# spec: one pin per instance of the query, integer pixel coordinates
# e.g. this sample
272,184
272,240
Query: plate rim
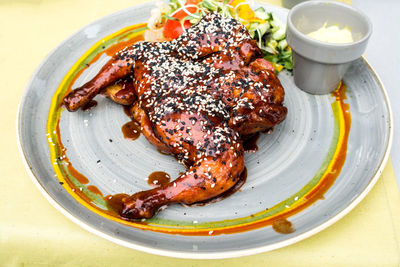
195,254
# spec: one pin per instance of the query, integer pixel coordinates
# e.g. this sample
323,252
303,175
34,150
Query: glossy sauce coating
79,176
250,142
283,226
131,130
114,202
227,193
90,105
121,92
158,178
94,189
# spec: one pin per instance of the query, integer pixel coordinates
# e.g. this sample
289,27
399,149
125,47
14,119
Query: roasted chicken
196,97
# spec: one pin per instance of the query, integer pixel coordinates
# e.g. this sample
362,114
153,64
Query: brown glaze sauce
94,189
250,143
127,111
122,91
73,172
157,179
89,105
114,202
111,51
283,226
131,130
227,193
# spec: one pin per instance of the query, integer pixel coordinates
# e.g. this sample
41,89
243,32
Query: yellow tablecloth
33,233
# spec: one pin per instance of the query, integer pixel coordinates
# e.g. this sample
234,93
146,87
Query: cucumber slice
276,22
272,44
263,28
282,44
279,34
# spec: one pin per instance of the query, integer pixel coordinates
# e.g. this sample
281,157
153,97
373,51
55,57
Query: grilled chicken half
196,97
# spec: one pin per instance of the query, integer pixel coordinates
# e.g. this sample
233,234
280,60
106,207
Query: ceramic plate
311,170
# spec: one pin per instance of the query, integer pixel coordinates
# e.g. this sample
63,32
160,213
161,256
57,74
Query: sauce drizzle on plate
131,130
283,226
158,178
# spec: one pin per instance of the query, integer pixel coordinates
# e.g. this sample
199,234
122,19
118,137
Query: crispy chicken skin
196,97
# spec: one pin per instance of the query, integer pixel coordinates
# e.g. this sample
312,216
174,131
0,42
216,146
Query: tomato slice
173,28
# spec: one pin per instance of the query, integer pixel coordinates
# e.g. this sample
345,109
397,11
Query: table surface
33,233
384,61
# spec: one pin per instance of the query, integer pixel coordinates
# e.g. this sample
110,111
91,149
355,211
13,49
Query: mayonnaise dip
332,34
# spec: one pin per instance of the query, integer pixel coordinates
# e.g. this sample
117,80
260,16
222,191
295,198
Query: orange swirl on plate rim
74,182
